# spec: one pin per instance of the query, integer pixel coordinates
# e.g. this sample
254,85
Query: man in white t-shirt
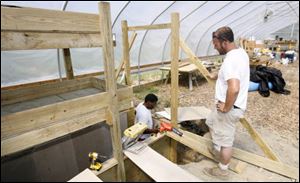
231,99
143,114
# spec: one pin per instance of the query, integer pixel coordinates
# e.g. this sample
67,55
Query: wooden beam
132,38
200,144
24,121
68,63
259,141
43,20
174,78
39,40
149,27
194,60
126,56
235,165
174,67
38,136
111,87
11,96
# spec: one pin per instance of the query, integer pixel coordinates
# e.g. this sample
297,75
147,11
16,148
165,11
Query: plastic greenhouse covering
258,20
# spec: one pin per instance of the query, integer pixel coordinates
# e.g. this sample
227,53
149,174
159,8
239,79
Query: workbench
184,67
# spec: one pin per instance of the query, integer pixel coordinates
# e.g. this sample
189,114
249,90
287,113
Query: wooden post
174,67
111,87
68,63
126,51
174,79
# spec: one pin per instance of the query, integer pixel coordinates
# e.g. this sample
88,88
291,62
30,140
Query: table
184,67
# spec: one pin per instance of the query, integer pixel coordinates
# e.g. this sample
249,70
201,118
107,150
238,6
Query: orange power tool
164,126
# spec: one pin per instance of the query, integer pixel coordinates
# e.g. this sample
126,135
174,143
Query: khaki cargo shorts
222,126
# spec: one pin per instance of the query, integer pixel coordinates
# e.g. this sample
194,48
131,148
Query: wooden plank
43,20
111,87
130,116
132,38
149,27
200,144
235,165
85,176
33,92
20,122
196,61
159,168
174,67
174,78
68,63
37,40
38,136
31,119
126,56
259,141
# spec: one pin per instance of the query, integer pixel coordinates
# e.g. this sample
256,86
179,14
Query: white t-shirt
143,115
235,65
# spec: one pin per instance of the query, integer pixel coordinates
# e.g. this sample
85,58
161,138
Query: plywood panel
159,168
55,161
85,176
34,19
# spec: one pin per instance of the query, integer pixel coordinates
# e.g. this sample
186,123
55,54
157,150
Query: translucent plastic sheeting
137,13
287,32
198,19
28,66
155,40
189,24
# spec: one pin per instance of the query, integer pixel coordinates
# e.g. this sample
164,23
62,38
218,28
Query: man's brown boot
217,172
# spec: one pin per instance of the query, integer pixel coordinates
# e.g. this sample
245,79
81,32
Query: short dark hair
224,34
151,98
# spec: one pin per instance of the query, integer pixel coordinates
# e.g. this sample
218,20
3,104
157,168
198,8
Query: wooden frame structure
49,122
31,28
174,26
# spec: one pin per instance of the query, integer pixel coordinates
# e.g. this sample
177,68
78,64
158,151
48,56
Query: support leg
190,82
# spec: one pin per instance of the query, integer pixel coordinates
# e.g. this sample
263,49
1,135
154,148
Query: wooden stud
126,56
174,79
68,63
174,67
148,27
111,86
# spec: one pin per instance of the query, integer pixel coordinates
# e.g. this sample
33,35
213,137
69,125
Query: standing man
143,114
231,99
